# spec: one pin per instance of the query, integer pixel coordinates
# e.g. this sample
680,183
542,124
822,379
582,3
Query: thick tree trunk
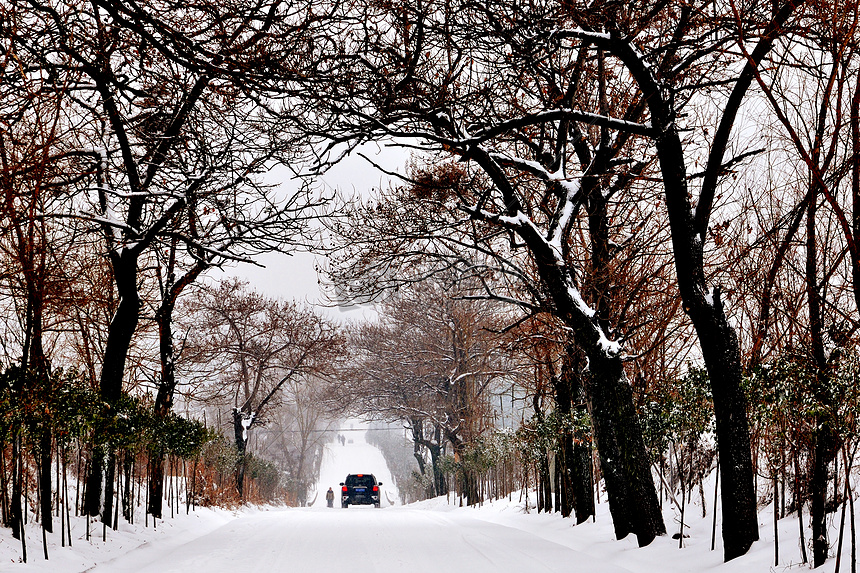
565,458
633,501
824,450
15,506
718,341
616,427
128,487
417,427
120,333
95,473
122,326
582,480
720,349
4,491
825,441
468,484
439,482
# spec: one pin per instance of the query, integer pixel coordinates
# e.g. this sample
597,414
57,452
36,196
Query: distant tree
254,349
296,435
431,361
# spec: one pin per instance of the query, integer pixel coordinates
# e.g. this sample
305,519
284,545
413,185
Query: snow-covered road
359,539
355,456
365,539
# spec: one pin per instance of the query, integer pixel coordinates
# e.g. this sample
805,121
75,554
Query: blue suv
359,489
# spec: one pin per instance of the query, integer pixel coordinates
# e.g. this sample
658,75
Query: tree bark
720,350
435,449
156,483
120,333
633,501
45,490
577,453
128,487
239,437
110,489
822,455
718,341
15,506
565,460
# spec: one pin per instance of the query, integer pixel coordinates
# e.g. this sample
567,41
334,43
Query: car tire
344,505
376,505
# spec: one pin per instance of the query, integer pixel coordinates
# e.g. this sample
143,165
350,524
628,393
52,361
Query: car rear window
362,480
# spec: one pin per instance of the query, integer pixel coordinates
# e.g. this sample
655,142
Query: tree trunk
240,437
439,483
565,458
825,449
720,349
633,497
721,353
717,339
825,440
578,473
45,490
417,427
36,376
155,487
545,482
120,333
93,490
128,487
110,481
167,384
16,507
624,463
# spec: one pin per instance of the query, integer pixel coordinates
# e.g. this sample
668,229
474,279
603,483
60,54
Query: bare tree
297,434
37,151
255,348
173,146
809,91
536,169
654,59
432,361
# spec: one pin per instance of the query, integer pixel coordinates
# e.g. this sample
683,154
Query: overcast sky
294,276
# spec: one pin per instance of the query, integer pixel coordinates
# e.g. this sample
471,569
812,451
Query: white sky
295,276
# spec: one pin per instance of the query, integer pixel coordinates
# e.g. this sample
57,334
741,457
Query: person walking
329,497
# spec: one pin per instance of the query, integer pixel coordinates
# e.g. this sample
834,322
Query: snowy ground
499,537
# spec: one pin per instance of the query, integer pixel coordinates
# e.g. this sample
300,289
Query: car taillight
344,489
375,488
